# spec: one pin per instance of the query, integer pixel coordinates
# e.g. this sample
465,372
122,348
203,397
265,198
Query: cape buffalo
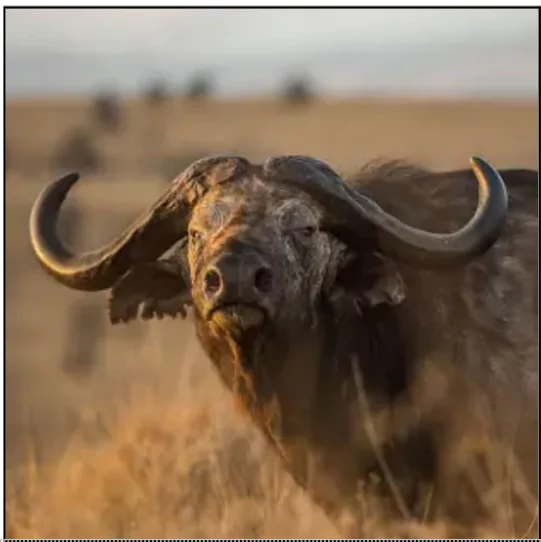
379,353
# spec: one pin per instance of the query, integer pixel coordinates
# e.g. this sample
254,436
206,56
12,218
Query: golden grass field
129,433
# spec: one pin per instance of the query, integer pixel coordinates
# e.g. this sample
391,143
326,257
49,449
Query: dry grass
146,443
169,470
183,467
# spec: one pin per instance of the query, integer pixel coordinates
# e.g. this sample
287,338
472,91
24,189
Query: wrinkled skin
352,363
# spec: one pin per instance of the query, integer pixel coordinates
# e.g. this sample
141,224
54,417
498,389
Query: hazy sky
78,50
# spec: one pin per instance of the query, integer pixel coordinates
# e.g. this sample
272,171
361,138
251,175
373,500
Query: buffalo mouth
238,316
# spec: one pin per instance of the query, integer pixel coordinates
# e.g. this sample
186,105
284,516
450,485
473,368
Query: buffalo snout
243,279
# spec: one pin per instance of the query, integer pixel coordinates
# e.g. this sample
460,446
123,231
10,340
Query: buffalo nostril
212,281
263,280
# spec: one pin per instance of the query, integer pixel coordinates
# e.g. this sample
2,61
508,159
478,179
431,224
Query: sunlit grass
166,468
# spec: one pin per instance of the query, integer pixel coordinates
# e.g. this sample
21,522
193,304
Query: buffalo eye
307,231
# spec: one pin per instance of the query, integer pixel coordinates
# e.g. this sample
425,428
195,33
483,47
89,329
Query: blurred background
423,52
129,98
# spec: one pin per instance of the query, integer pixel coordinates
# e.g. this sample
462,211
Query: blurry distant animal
107,111
156,94
372,350
298,91
78,150
86,324
199,87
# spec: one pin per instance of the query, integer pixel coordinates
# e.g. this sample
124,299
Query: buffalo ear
159,288
373,279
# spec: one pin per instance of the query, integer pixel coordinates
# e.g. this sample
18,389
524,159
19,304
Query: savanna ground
126,431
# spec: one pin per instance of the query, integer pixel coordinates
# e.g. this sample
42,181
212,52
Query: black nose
235,278
263,280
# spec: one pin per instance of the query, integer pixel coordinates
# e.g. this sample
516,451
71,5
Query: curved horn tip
55,191
486,173
69,178
477,163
